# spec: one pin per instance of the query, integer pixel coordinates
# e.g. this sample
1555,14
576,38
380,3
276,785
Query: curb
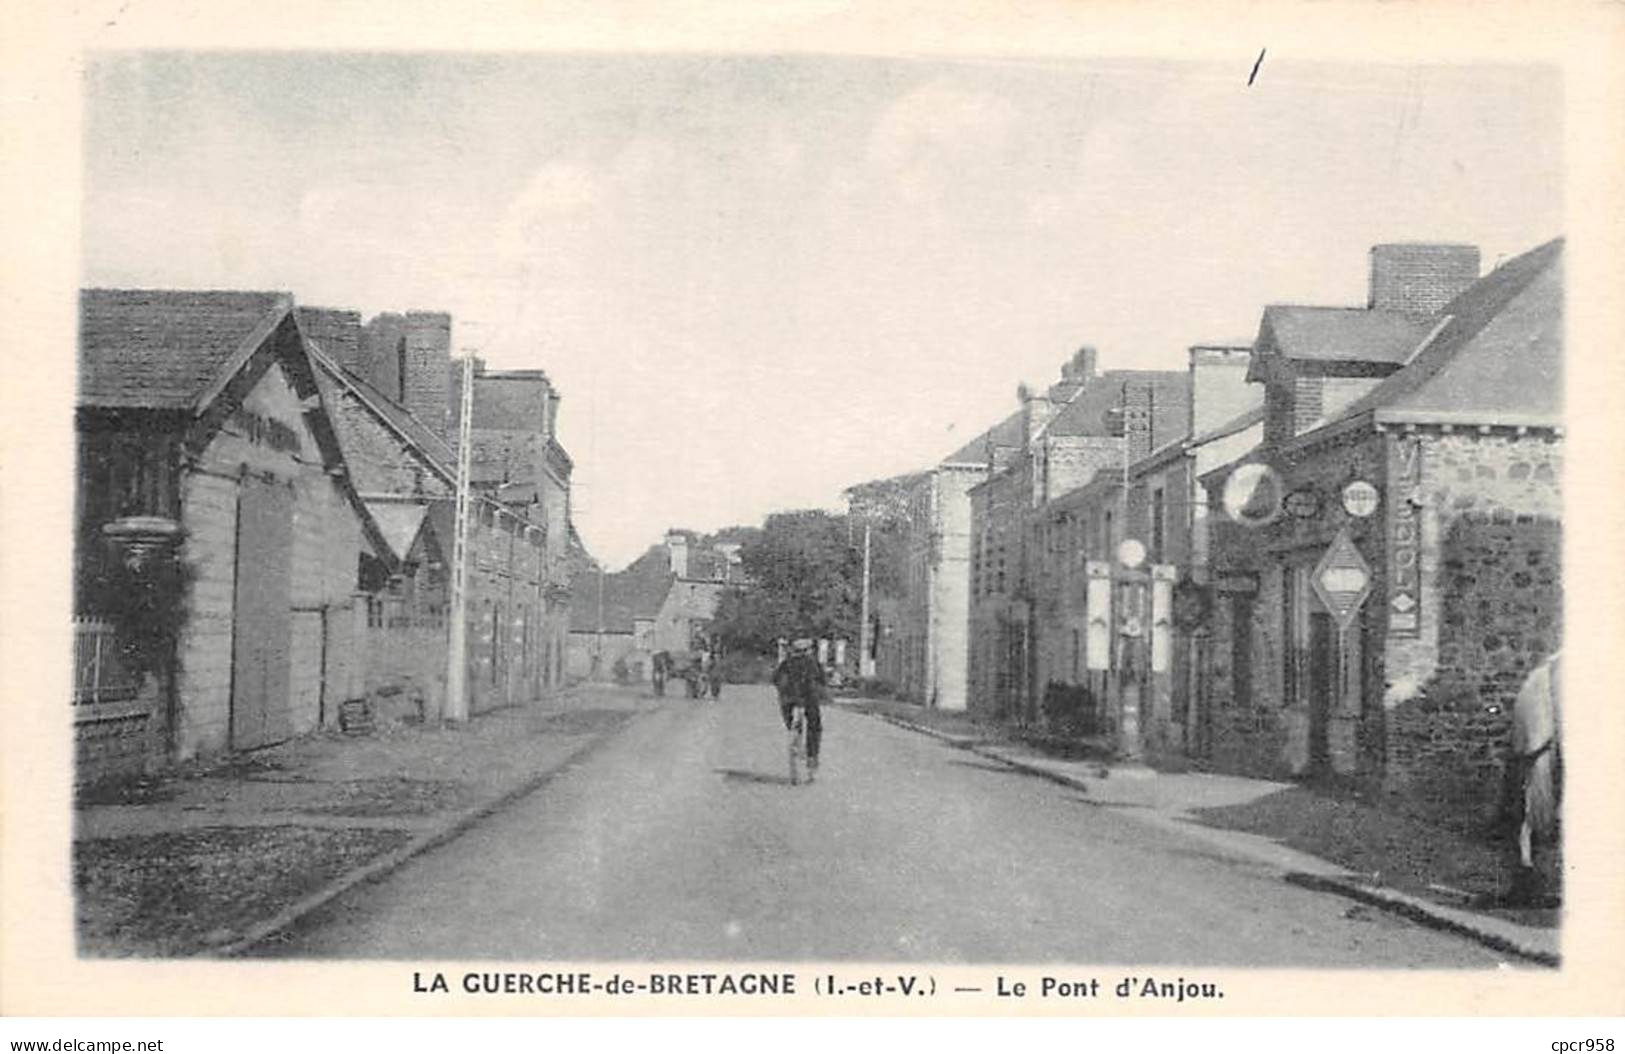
1425,913
381,866
1417,910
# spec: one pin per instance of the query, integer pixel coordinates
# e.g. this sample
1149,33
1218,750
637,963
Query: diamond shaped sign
1342,579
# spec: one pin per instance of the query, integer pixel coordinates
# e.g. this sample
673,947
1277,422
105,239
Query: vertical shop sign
1404,534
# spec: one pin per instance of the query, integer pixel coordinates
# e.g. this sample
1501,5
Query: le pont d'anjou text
1173,990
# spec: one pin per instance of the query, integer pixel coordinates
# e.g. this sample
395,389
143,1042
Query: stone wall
1492,608
326,540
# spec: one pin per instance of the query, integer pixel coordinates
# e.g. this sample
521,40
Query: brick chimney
1420,279
424,360
1036,411
382,343
677,550
336,332
1076,373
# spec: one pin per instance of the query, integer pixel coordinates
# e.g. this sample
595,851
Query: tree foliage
805,571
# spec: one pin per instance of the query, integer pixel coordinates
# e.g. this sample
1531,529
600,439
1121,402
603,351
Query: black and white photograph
1076,524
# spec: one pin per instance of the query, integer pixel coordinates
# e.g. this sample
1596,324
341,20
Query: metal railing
99,672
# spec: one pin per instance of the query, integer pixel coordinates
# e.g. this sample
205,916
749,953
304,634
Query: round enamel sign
1253,495
1360,498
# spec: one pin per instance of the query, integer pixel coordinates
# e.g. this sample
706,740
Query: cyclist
801,682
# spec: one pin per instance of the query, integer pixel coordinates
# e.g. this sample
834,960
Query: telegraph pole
457,648
866,662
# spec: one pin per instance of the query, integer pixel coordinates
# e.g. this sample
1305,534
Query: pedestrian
1537,769
659,666
801,681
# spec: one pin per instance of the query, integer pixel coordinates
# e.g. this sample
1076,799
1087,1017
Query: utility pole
866,661
457,648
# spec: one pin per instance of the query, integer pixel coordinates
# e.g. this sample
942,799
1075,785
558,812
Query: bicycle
798,745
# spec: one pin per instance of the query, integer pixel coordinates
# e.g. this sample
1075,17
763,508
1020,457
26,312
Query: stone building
404,466
203,434
662,601
1165,509
1443,472
1078,427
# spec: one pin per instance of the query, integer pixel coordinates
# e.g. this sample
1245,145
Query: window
1295,593
1158,522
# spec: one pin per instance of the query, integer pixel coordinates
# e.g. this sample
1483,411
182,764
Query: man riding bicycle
801,682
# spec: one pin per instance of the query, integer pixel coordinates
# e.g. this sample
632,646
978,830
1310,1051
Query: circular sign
1252,495
1132,626
1360,498
1131,552
1303,504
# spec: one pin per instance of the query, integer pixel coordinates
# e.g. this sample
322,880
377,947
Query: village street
682,839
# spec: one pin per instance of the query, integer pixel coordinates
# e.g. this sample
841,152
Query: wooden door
261,630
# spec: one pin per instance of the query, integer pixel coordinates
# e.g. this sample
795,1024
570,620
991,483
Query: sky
758,280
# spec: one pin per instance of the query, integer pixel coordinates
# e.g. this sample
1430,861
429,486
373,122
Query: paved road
682,839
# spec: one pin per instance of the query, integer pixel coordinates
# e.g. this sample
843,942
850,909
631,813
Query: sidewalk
1311,838
212,859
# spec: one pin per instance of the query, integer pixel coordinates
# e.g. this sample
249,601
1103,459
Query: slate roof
434,449
1085,415
1006,433
627,595
1497,359
1336,334
161,348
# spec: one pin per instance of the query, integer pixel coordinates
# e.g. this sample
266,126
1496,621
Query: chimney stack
1036,411
337,332
677,550
1420,279
426,368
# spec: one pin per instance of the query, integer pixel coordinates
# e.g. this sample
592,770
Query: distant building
663,601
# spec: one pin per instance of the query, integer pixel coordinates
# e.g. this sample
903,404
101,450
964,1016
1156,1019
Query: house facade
404,467
203,411
1082,426
243,482
1444,476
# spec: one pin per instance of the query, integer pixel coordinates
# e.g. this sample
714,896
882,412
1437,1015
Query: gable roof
1006,433
627,596
163,348
1335,334
184,350
399,523
1496,359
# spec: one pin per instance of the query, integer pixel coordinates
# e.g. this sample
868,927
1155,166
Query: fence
99,672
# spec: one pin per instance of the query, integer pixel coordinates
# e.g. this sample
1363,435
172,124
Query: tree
805,581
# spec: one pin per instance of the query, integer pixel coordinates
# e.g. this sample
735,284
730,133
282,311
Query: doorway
261,635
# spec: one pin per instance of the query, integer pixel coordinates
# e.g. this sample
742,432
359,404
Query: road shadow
988,766
742,776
